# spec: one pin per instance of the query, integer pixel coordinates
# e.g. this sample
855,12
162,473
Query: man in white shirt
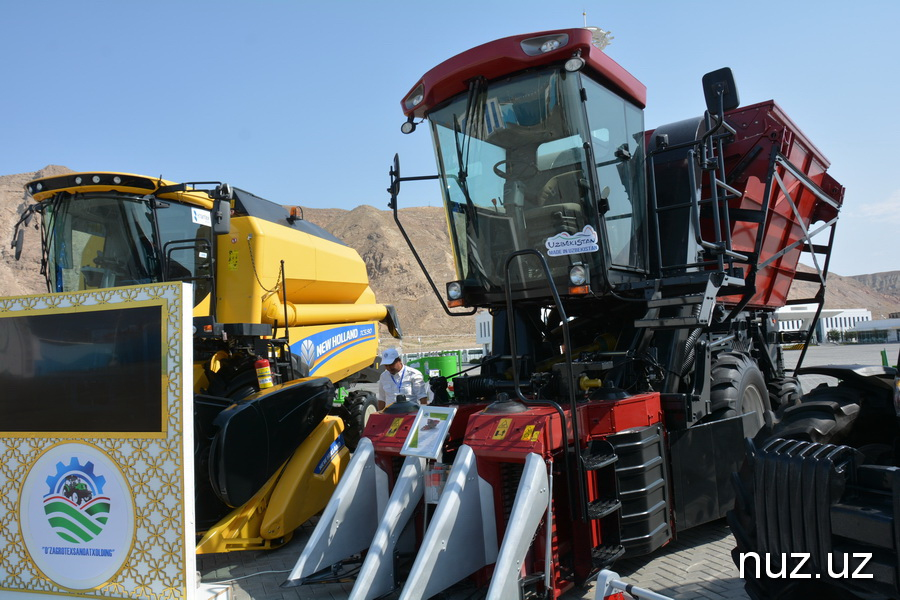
398,378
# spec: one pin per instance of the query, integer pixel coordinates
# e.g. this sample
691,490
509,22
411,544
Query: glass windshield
618,145
101,241
507,187
515,156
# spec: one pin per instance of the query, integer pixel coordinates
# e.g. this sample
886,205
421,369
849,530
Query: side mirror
720,91
221,224
395,175
394,190
19,242
222,209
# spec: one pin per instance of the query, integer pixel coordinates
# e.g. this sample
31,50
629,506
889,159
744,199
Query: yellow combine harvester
283,317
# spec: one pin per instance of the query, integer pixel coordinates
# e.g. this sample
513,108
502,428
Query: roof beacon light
549,45
544,44
415,97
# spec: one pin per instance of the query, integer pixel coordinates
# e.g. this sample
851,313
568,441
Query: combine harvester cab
283,314
633,279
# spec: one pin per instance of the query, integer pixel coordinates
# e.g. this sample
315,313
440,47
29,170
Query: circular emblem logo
77,516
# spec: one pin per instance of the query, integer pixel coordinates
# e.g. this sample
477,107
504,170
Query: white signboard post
96,475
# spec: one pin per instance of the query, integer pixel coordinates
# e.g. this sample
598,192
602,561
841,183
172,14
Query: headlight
574,64
454,290
577,275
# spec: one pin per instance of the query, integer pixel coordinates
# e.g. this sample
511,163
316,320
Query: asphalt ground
697,565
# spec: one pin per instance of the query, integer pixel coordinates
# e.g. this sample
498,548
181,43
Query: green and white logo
77,516
75,505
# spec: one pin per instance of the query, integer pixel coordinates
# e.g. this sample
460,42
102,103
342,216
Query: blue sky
299,101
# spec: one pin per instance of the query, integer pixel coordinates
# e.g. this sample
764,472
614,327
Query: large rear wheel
825,415
786,391
738,388
799,445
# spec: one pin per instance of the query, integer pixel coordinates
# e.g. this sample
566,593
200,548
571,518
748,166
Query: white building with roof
880,331
798,317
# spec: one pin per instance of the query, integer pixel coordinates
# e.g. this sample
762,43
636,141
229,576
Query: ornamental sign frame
98,512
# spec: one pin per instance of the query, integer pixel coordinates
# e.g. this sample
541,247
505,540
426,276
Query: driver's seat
564,189
547,221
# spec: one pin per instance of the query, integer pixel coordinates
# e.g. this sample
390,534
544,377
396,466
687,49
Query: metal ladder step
595,462
676,301
606,555
603,507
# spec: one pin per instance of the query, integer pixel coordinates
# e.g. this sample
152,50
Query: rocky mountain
887,283
854,292
394,274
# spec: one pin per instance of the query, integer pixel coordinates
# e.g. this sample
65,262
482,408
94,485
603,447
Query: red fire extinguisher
263,373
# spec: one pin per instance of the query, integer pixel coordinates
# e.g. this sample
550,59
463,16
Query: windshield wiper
622,154
461,176
472,119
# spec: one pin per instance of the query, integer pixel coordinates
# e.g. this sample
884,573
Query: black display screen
88,371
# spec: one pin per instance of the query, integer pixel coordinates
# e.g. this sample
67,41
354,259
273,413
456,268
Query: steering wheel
525,170
112,264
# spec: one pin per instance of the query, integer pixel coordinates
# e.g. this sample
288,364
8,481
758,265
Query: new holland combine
633,277
283,316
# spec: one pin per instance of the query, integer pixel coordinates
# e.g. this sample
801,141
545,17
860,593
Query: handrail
582,504
394,190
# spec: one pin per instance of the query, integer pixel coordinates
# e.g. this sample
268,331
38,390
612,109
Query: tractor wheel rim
370,410
753,403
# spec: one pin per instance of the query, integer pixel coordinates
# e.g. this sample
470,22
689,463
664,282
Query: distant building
845,320
484,330
878,332
798,317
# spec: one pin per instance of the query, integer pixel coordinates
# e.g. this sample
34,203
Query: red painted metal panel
760,129
512,436
388,432
601,418
505,56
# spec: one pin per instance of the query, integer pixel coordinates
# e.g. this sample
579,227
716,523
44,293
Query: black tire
742,522
786,391
358,407
825,415
738,387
